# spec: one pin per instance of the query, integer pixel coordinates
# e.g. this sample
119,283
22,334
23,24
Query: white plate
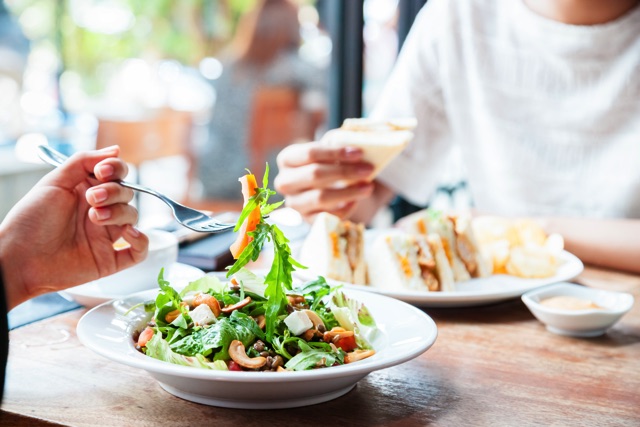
474,292
406,332
91,295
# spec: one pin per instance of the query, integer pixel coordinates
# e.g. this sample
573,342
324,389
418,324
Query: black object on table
210,253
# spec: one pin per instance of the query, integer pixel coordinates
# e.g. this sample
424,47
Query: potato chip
519,247
531,262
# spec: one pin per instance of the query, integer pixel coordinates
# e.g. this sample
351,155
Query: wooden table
494,365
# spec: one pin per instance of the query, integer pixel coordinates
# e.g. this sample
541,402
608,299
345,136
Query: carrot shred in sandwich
249,186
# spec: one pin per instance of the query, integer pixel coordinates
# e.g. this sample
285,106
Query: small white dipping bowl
163,252
579,323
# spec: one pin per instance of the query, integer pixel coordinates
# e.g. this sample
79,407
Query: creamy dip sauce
569,303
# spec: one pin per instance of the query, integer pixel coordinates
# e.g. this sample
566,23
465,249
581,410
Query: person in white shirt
543,99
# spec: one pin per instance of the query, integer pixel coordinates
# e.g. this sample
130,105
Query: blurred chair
277,120
163,134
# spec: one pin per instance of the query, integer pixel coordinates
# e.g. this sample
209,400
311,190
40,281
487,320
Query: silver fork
188,217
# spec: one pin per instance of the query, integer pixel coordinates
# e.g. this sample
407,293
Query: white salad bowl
163,252
405,332
580,323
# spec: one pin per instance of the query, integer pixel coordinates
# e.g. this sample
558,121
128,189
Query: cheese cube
202,315
298,322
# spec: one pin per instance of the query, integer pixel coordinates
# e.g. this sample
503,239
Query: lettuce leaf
159,349
251,282
353,316
204,284
313,355
217,337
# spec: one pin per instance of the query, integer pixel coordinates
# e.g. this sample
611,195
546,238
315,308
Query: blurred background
193,91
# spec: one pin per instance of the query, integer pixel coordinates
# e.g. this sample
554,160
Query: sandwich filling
335,249
416,262
427,264
347,239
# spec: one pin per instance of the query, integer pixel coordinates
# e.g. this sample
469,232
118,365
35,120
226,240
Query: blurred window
94,63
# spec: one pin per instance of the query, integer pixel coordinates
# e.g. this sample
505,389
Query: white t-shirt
546,115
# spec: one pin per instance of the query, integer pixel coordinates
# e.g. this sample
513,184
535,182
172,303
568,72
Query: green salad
254,323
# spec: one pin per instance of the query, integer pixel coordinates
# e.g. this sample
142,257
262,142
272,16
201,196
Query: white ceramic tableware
474,292
91,295
163,252
405,333
580,323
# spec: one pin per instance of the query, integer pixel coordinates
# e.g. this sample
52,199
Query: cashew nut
172,315
228,309
261,321
356,355
238,354
315,319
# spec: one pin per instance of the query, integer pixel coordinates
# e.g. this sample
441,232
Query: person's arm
4,333
61,233
610,243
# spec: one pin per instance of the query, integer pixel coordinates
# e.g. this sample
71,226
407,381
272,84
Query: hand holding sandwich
336,174
309,175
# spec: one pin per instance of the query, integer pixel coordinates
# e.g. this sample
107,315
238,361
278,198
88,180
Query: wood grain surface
490,366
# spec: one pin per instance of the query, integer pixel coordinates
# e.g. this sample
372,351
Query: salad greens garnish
253,322
280,276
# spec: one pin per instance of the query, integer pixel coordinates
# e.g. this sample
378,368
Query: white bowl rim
625,299
136,359
167,239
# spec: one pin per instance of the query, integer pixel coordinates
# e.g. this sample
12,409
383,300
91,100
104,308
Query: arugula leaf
167,290
279,277
168,300
315,290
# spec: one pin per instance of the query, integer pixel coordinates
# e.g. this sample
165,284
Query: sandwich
380,140
335,249
415,262
468,248
458,240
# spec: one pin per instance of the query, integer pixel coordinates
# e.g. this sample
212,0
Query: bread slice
381,141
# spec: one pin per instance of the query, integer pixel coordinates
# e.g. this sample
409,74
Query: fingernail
97,195
109,148
364,187
105,171
103,214
133,232
364,170
352,153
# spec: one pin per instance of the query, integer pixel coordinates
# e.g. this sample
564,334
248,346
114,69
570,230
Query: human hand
315,178
61,233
